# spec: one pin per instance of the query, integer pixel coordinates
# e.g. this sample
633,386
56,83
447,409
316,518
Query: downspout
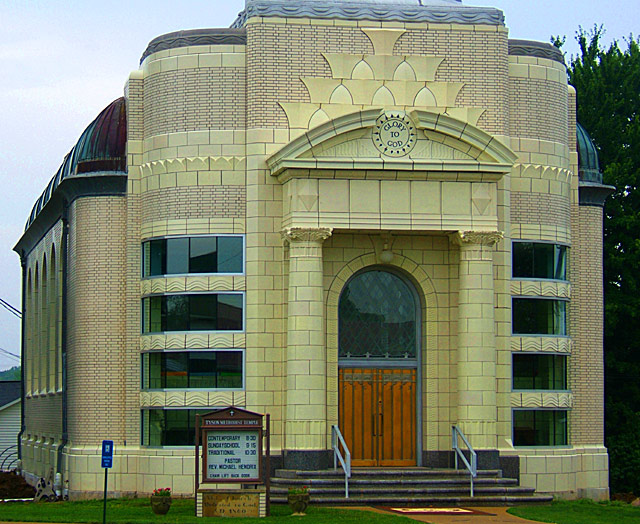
63,341
23,334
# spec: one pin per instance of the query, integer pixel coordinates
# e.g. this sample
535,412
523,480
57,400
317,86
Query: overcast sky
62,62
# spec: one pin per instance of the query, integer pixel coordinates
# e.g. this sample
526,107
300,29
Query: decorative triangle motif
481,198
308,201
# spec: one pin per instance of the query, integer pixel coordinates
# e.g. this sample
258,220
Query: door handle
373,425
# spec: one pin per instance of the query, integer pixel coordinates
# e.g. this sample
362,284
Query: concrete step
404,501
405,491
383,473
405,487
395,482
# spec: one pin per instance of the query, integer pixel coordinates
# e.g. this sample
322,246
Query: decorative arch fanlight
378,317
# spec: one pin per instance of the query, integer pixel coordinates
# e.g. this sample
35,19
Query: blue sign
107,453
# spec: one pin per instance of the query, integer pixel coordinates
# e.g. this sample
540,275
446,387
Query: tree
607,82
10,374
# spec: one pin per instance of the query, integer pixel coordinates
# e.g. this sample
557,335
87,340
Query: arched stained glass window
378,317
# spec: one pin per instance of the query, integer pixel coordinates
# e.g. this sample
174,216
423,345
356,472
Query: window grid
541,316
202,369
193,312
170,427
539,260
540,427
201,254
539,372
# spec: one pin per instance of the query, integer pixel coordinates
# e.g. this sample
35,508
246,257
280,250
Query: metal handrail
345,462
473,467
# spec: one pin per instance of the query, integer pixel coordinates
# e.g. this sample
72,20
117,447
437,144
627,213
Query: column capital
306,234
476,238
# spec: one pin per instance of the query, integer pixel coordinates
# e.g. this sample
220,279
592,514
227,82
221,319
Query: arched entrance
378,368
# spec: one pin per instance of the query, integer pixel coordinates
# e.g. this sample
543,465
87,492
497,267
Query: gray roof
9,392
445,11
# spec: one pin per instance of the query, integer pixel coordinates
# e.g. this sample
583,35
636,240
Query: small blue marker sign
107,453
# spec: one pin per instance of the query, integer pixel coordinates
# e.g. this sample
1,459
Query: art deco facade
362,215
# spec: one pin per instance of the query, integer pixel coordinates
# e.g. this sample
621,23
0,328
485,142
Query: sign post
107,462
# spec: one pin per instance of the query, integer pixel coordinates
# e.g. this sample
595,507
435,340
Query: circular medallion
394,134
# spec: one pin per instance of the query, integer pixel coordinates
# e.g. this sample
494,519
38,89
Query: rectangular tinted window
203,256
203,372
175,312
193,255
522,259
192,370
539,427
155,257
230,255
175,370
154,313
230,312
536,316
543,372
229,369
170,427
543,261
152,371
560,265
539,260
203,312
177,256
152,424
176,430
197,312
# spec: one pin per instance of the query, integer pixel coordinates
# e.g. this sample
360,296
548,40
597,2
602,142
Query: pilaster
306,394
477,405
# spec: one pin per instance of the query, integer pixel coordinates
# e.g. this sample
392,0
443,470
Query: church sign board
231,441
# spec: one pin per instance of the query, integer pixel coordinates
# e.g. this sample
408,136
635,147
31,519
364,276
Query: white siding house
9,421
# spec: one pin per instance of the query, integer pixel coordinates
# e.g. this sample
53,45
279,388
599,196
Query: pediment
438,143
359,144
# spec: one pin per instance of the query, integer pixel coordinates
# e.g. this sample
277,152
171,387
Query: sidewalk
493,515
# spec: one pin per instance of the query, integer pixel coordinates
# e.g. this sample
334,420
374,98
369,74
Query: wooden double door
377,415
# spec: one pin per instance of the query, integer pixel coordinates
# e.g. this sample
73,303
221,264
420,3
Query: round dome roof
588,164
100,148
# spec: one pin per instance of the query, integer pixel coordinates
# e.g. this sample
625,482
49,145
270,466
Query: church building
379,215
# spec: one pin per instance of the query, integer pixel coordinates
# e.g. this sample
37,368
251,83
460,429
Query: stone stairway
408,487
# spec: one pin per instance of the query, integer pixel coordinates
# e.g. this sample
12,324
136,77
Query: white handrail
345,462
473,467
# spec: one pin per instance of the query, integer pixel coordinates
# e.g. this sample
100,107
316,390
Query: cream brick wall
203,89
134,92
43,354
191,204
468,50
537,99
96,320
545,209
586,372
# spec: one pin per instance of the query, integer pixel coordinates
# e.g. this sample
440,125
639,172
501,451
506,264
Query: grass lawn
138,511
581,512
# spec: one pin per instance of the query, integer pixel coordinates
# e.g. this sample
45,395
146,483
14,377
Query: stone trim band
354,10
195,37
535,49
